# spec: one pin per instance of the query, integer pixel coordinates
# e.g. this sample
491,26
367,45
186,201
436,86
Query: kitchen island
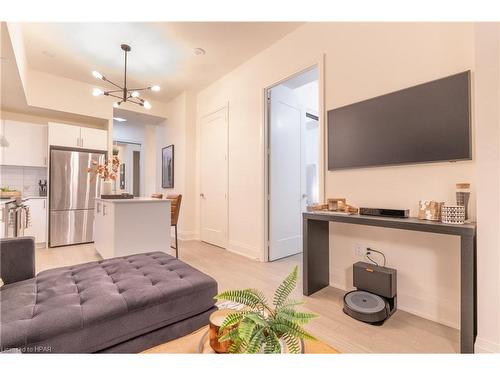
131,226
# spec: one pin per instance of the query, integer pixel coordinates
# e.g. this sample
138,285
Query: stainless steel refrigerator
72,194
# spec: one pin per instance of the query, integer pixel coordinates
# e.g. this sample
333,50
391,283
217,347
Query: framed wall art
167,167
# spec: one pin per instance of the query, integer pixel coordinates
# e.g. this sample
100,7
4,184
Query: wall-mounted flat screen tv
425,123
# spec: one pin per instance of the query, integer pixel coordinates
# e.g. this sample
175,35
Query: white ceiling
136,118
162,53
12,98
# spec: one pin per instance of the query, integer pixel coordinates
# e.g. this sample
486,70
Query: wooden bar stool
175,208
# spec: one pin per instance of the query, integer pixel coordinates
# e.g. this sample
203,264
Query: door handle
103,210
202,195
304,195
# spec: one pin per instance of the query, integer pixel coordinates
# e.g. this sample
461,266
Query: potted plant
108,172
264,328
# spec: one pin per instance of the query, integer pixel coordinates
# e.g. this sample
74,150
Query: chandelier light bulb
121,92
97,92
97,75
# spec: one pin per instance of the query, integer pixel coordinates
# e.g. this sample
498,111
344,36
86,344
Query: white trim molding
486,346
188,235
244,250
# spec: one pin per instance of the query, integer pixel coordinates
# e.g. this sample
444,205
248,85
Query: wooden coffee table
189,344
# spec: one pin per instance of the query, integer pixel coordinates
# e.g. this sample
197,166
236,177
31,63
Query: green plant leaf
231,334
247,297
257,319
285,288
256,341
292,343
232,319
291,328
245,329
291,303
295,316
272,344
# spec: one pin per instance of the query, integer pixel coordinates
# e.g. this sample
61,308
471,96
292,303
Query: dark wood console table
316,273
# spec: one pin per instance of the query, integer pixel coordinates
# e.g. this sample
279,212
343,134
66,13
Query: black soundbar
386,212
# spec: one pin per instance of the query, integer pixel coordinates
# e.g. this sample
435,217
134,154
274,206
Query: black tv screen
425,123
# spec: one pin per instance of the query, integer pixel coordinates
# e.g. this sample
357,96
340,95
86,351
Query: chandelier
124,94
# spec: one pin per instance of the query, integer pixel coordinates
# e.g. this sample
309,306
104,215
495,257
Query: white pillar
486,99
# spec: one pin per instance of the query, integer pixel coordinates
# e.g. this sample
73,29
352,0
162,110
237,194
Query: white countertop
134,200
9,200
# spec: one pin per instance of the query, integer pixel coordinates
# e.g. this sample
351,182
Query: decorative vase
107,188
463,195
453,214
430,210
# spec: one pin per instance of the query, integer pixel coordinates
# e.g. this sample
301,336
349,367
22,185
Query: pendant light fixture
124,94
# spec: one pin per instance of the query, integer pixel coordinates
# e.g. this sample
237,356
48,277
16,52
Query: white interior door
213,178
285,197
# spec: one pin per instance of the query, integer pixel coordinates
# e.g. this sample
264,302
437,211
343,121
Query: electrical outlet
359,250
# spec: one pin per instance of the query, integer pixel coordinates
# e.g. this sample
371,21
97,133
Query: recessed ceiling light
199,51
119,119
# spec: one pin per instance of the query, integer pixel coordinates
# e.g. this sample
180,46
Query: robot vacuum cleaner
374,301
366,306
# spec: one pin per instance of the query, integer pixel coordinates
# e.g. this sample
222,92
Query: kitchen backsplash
24,179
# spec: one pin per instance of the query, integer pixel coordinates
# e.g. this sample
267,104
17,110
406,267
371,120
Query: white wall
180,130
487,106
23,179
360,61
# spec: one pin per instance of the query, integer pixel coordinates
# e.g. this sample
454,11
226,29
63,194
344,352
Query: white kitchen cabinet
131,226
38,212
23,144
77,137
93,139
64,135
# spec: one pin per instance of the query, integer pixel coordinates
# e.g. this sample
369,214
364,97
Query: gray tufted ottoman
115,305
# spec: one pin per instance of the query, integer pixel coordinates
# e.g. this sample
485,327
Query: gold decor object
350,209
317,207
215,321
430,210
336,204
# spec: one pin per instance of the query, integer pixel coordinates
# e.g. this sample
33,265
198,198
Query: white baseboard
486,346
244,250
188,235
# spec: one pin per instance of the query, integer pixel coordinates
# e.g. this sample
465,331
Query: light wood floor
402,333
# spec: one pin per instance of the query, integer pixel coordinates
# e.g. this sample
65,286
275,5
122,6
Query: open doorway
293,159
129,179
134,142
